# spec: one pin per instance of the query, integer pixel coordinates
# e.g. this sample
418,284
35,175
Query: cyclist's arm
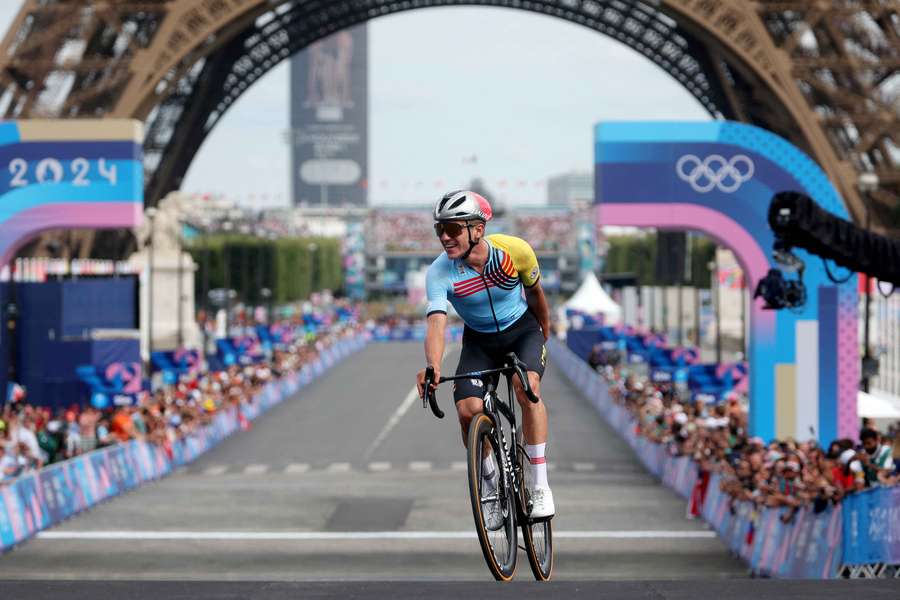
537,304
436,289
434,339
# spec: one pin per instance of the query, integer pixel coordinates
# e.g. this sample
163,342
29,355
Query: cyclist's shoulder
440,266
511,244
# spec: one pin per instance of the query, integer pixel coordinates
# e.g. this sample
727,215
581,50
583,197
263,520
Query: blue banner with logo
872,527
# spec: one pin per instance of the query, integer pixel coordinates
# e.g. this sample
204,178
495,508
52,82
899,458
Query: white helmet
462,205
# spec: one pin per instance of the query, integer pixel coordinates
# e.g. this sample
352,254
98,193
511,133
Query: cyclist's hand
420,380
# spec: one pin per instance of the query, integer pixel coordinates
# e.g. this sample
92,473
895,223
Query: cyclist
484,277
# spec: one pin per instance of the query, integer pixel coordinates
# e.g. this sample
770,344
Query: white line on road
216,470
380,466
459,465
581,466
296,468
352,535
339,467
256,469
411,397
420,465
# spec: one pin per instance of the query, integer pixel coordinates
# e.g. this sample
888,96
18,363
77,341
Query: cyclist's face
454,237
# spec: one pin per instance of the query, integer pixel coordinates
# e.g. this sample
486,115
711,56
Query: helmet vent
459,201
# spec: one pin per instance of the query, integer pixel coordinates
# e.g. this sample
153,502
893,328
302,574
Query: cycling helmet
462,205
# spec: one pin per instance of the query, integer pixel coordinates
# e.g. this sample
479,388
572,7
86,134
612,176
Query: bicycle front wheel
498,544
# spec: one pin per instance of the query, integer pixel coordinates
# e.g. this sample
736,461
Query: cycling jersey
490,301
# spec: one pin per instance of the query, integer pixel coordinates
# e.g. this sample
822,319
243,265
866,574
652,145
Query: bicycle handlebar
514,364
430,396
517,364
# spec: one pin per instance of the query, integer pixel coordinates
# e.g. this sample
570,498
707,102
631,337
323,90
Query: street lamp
312,247
151,213
714,280
867,183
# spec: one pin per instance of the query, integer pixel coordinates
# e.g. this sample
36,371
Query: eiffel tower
824,74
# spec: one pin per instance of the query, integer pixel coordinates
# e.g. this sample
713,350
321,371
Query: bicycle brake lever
430,395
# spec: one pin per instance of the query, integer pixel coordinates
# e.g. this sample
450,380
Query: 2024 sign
51,170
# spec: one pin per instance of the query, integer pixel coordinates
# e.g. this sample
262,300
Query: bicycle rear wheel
499,547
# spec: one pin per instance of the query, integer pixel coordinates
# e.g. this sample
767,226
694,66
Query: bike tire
537,536
538,541
500,548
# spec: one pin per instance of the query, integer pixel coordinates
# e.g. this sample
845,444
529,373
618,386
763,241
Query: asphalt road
352,480
351,489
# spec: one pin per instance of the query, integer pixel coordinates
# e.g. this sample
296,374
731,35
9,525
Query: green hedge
291,268
637,254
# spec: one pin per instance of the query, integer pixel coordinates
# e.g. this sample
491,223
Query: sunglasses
451,229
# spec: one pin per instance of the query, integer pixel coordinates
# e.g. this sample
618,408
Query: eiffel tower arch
825,74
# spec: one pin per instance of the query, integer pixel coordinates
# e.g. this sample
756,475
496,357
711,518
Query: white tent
877,407
593,300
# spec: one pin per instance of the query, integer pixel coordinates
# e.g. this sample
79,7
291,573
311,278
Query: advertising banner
872,527
329,121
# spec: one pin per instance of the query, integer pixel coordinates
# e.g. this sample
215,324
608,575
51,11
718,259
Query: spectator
9,465
783,473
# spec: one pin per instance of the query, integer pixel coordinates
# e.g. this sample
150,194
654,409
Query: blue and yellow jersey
480,297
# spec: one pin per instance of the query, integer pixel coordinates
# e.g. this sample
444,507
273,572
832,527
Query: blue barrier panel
42,499
872,527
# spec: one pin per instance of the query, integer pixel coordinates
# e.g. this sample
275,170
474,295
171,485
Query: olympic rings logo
715,172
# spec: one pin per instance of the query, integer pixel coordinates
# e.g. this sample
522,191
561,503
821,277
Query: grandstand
400,240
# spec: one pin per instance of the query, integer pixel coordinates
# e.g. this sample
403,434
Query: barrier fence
41,499
860,537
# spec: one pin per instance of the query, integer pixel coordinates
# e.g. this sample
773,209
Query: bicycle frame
495,407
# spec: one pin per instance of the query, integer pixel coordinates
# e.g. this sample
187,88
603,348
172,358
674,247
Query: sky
518,90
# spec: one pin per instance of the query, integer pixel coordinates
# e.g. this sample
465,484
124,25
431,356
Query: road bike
495,431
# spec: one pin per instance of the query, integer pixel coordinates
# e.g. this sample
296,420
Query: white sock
488,474
488,466
537,465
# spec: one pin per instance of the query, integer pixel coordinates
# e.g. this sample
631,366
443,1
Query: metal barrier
860,537
38,500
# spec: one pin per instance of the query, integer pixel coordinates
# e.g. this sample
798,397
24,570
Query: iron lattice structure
821,73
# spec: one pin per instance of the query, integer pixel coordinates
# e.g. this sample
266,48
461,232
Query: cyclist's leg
469,393
529,347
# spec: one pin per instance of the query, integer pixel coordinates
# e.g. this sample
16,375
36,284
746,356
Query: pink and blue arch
804,365
62,174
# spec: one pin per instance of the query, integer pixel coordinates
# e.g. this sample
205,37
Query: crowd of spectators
34,436
402,231
412,231
781,473
547,233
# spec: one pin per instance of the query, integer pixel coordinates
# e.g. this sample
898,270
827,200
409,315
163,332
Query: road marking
380,466
340,467
411,397
352,535
296,468
420,465
459,465
216,470
256,469
582,466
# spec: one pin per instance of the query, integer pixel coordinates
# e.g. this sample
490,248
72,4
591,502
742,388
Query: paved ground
625,590
340,483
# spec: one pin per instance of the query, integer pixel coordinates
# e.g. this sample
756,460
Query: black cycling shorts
482,351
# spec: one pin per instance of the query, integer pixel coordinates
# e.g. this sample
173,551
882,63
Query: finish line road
350,480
